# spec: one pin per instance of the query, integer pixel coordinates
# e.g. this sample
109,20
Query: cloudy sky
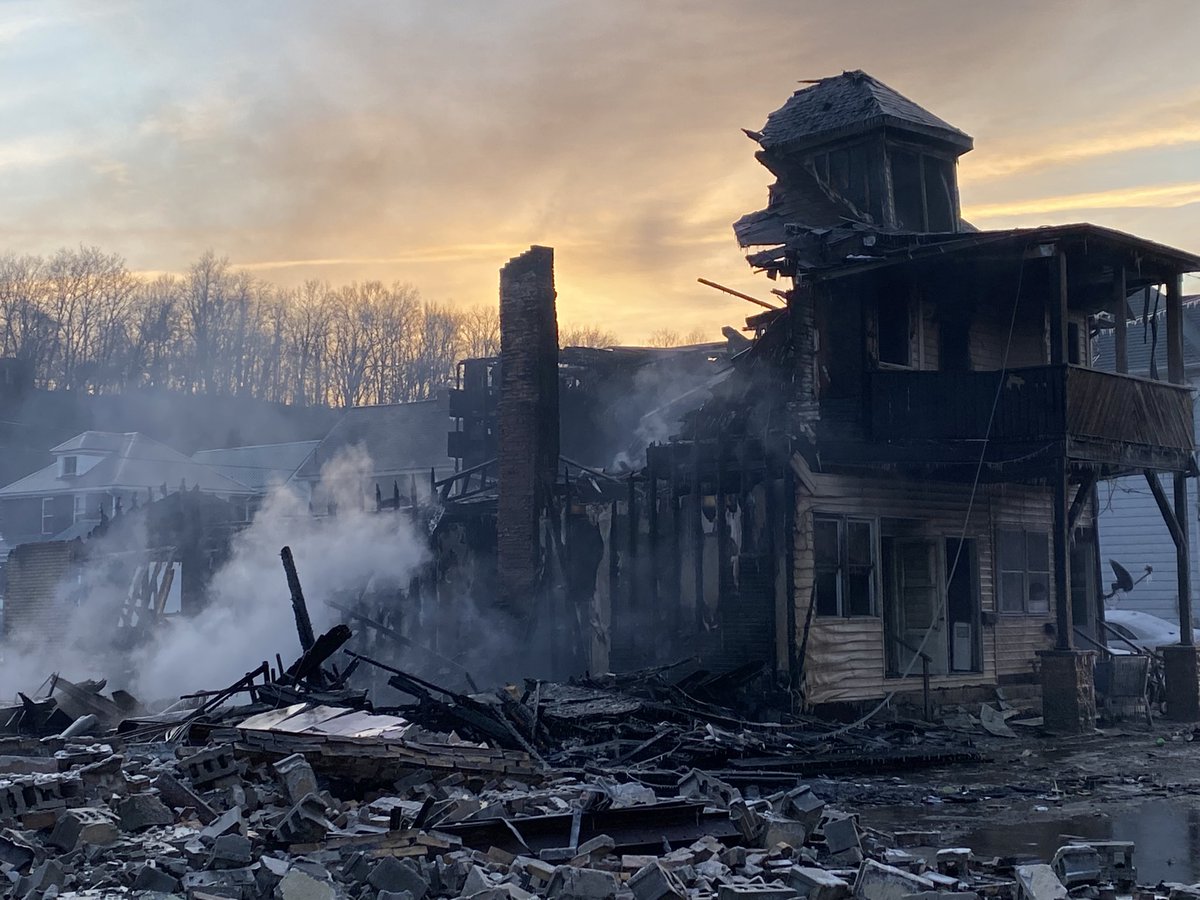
429,141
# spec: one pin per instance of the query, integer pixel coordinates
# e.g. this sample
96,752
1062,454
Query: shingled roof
847,103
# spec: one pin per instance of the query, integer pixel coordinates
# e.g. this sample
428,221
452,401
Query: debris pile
320,802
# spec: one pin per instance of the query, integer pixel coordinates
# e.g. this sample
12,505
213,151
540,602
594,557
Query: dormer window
67,466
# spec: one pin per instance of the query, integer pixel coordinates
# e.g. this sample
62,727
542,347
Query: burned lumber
304,626
308,666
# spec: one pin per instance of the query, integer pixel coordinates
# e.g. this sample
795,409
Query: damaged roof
258,466
847,103
398,437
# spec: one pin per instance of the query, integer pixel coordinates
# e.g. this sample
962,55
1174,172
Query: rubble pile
315,801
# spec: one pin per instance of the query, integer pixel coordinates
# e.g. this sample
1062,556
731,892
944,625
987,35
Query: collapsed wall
528,420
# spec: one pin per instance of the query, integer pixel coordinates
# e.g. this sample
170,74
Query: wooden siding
845,658
989,335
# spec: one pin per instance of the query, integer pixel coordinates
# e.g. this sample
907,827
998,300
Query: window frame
1004,568
845,567
47,514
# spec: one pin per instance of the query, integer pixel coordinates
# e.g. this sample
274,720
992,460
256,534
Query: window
1023,560
69,465
844,553
47,515
894,327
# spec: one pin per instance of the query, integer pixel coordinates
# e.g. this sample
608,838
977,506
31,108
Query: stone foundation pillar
1182,673
1069,691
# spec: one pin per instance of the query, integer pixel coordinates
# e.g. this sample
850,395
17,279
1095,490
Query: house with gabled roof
93,476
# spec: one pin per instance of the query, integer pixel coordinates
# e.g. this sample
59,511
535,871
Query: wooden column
1120,316
1057,301
1183,565
1062,559
1175,329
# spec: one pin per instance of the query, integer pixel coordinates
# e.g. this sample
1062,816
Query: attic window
69,465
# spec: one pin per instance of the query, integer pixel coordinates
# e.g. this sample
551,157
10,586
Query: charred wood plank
304,626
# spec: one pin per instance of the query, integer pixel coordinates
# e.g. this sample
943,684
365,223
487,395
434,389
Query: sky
428,142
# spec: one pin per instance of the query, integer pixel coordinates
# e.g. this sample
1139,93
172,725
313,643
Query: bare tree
586,336
481,332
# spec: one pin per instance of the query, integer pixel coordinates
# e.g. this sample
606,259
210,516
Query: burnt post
303,623
528,421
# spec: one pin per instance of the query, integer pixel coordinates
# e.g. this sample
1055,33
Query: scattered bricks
734,857
230,851
748,822
596,848
1039,882
653,882
394,895
305,823
879,882
297,777
298,885
909,839
954,861
755,892
84,824
28,765
398,875
943,895
697,785
818,884
178,795
141,811
152,878
213,768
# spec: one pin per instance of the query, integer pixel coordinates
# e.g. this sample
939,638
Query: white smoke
249,615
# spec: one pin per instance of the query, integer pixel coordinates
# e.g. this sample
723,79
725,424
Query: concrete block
954,861
87,825
141,811
784,830
230,851
841,833
571,883
298,885
756,892
653,882
305,823
152,878
392,874
297,777
818,884
876,881
1039,882
804,806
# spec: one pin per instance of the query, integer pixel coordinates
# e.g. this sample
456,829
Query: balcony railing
1034,404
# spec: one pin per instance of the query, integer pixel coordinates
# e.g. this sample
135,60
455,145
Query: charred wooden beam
1164,507
1183,568
308,666
1081,498
1062,558
1120,317
304,626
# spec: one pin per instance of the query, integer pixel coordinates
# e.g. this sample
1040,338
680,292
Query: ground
1123,784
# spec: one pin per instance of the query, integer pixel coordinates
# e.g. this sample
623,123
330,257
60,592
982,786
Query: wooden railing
1031,404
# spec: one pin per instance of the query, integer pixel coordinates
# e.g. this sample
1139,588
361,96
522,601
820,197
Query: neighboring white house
1132,530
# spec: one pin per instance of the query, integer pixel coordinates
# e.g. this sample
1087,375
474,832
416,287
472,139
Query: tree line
82,321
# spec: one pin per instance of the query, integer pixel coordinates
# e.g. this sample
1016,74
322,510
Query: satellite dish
1124,580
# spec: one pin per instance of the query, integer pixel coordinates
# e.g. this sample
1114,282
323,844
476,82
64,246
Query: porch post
1062,560
1057,296
1180,662
1120,315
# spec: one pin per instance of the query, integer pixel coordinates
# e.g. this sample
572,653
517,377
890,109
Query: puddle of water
1165,833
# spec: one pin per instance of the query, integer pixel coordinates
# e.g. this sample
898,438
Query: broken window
906,190
844,554
939,197
1023,560
893,335
923,191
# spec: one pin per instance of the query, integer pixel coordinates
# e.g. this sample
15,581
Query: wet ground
1033,794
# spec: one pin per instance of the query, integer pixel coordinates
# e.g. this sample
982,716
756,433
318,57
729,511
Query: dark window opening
893,333
906,188
939,201
1073,356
